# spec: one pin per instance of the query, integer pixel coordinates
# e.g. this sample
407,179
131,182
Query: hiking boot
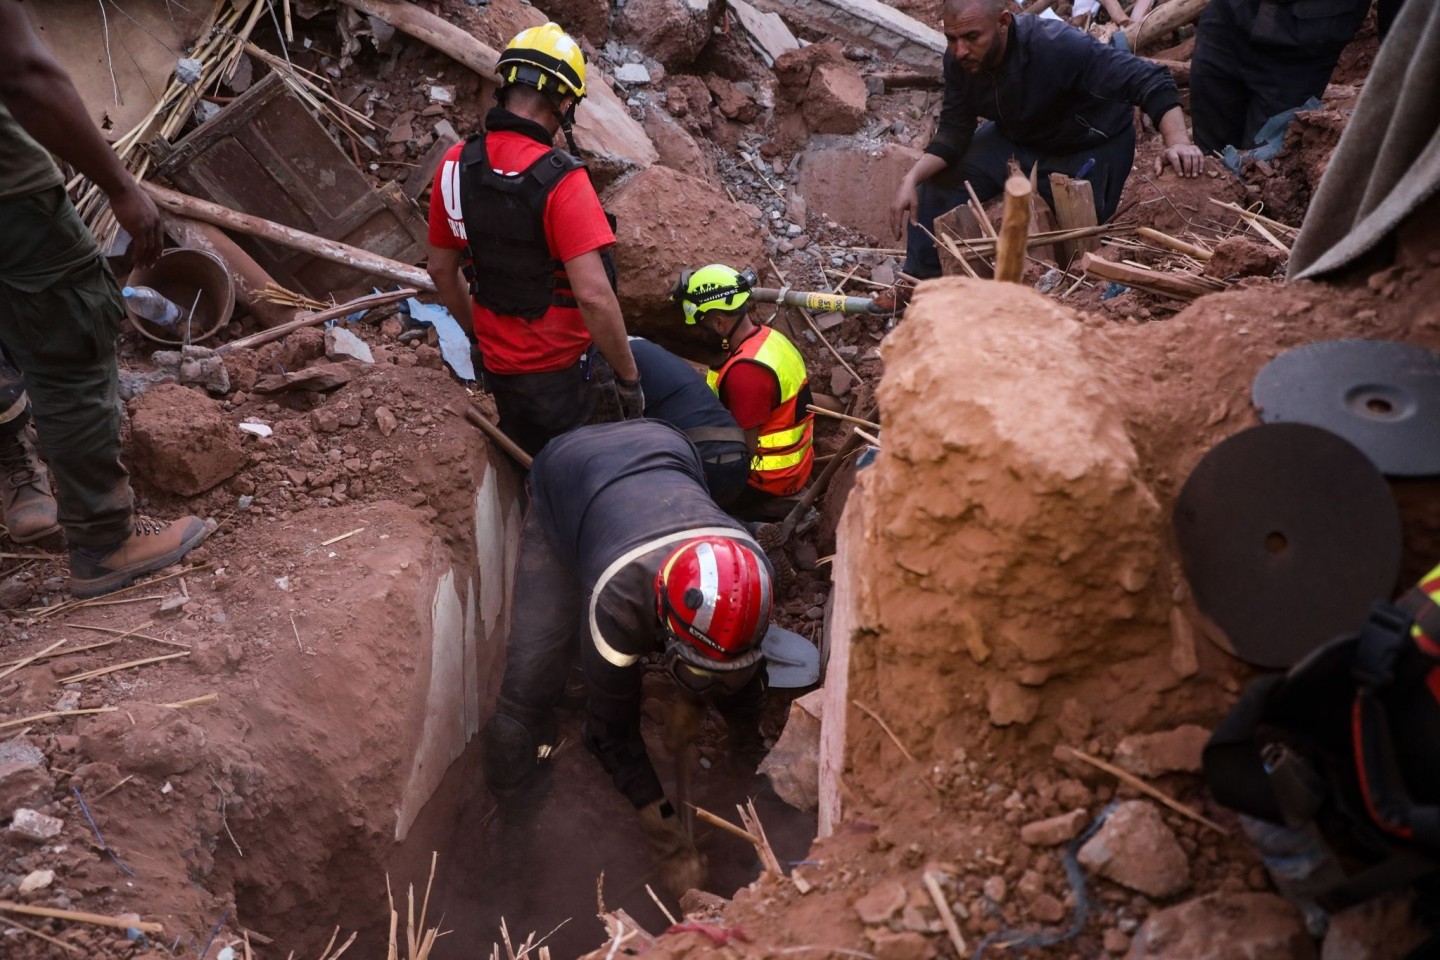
25,499
152,544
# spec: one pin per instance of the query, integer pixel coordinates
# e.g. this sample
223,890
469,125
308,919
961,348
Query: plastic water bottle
151,305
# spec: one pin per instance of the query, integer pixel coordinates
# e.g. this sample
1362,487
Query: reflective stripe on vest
784,452
1423,603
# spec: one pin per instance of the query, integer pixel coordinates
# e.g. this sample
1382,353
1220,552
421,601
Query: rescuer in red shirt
519,219
763,383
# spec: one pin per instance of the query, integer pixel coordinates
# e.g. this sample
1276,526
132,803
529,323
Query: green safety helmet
713,287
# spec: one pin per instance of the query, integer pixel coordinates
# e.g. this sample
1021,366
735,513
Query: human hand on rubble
904,207
137,213
1186,158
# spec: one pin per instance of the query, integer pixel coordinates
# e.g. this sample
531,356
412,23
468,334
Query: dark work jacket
1057,91
602,493
674,391
1289,29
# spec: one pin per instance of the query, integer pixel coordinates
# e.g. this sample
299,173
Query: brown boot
28,507
152,544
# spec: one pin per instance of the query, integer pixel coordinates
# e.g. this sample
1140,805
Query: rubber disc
1383,397
1287,534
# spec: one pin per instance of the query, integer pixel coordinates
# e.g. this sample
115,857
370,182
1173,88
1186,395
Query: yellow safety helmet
713,287
544,57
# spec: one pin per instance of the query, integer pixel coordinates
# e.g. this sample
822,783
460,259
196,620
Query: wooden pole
94,919
1156,28
1014,230
1173,243
1074,207
496,434
310,319
363,260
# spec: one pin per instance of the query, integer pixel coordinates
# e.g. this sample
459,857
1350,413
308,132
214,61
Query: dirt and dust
1063,621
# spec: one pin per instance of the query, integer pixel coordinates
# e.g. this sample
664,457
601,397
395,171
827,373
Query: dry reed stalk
67,947
46,613
26,661
133,632
1147,789
885,726
70,651
103,671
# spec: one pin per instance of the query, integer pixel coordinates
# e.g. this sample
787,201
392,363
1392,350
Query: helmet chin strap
567,122
725,338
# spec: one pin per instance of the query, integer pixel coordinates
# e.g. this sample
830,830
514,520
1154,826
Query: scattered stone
32,825
672,31
1011,703
881,903
181,440
702,904
392,327
732,101
15,593
24,779
996,888
632,73
1136,849
1047,909
1239,257
173,606
905,945
835,99
1115,942
36,880
793,765
324,421
1383,928
1258,926
1074,721
146,739
321,377
840,381
767,32
193,366
1056,830
385,421
1154,754
341,344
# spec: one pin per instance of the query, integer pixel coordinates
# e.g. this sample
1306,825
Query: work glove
682,867
632,398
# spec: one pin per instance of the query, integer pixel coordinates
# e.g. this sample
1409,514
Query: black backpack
1348,742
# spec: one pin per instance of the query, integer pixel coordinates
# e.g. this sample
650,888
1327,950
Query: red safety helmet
713,596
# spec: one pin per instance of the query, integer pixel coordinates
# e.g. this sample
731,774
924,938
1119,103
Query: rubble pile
1001,603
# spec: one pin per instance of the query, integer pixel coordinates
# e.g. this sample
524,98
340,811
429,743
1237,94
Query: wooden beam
1180,286
248,277
1014,230
363,260
1074,208
1172,243
1156,28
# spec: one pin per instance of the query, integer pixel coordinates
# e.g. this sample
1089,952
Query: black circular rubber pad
1383,397
1287,534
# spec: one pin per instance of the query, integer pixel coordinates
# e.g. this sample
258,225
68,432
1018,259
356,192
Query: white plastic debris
442,94
256,427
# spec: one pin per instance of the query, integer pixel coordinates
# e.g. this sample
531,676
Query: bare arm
38,92
1180,153
906,204
601,312
444,269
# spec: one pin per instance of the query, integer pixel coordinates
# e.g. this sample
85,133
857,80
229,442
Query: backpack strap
1234,768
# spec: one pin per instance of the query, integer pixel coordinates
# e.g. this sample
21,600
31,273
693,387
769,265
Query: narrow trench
537,866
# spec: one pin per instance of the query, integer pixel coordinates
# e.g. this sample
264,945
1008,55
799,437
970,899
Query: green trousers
60,312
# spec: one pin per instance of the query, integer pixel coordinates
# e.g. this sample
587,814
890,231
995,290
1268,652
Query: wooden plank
1074,207
1177,285
1156,28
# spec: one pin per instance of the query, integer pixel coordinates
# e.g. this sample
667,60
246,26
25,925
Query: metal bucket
179,275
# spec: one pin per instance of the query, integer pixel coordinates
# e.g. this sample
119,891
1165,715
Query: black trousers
1237,85
986,165
535,408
